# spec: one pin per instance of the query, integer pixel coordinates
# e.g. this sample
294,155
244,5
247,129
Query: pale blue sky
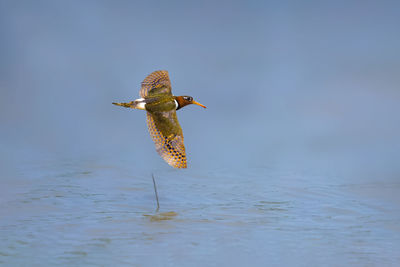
282,80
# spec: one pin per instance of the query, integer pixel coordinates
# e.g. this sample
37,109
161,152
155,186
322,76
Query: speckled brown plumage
161,106
170,148
156,83
163,125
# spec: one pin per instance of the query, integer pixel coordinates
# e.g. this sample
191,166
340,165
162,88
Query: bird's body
161,105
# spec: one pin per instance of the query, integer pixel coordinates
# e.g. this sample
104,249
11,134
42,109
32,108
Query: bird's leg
155,191
136,104
127,105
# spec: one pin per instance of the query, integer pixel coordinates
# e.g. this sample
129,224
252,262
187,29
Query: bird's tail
137,104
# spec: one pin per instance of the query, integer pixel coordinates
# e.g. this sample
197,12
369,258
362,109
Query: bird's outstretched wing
156,83
167,135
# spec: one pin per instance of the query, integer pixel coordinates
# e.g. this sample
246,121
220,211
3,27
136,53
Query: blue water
85,212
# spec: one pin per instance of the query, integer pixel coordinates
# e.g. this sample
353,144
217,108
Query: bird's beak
197,103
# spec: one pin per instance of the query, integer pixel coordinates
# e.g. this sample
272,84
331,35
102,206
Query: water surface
89,213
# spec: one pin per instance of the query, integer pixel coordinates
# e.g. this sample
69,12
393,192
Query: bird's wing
156,83
167,135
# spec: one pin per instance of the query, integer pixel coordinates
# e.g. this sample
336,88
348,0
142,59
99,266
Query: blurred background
299,144
283,81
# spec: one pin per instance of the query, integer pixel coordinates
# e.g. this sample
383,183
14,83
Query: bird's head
185,100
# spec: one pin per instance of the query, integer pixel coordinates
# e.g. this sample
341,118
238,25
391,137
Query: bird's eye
189,98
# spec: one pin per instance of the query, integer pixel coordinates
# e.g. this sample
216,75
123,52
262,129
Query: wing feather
171,148
156,83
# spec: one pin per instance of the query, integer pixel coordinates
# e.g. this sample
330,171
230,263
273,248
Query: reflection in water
162,216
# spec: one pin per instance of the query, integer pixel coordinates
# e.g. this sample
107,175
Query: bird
163,125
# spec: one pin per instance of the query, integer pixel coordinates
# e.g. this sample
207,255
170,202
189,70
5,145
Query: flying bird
161,106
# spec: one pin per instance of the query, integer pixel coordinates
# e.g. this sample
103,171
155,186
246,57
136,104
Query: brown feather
170,148
156,83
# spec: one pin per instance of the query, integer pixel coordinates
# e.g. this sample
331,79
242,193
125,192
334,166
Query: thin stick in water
155,191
